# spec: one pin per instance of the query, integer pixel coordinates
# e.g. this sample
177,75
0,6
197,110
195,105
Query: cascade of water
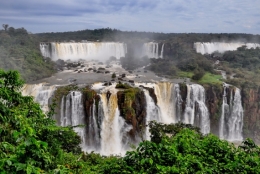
152,113
224,113
235,120
72,114
210,47
89,50
45,49
41,93
231,121
93,131
165,101
113,127
150,50
161,56
178,102
62,120
196,112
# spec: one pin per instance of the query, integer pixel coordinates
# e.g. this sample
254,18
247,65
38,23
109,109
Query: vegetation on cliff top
20,51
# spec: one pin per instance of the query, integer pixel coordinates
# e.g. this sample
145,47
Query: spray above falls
83,50
210,47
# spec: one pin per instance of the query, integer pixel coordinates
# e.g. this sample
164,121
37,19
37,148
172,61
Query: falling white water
161,56
178,102
72,113
210,47
236,118
93,132
113,127
150,50
165,101
41,93
224,112
196,112
83,50
231,121
152,113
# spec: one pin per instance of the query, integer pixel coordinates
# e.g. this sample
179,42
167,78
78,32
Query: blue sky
168,16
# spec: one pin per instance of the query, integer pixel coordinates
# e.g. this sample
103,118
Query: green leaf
151,161
142,161
9,162
29,169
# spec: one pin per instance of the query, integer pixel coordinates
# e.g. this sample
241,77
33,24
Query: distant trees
5,26
113,75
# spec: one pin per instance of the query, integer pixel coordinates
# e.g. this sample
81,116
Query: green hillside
20,51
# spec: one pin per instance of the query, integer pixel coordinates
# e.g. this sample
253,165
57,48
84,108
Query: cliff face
251,105
132,106
214,99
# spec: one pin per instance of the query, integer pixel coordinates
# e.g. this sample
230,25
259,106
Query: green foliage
159,130
198,74
30,142
188,151
248,59
210,78
113,75
130,93
123,85
20,51
63,91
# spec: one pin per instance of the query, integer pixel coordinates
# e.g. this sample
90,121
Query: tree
114,75
30,142
5,26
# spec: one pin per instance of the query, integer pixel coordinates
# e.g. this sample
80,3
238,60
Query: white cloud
142,15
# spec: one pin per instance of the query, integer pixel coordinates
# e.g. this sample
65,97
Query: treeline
108,34
20,51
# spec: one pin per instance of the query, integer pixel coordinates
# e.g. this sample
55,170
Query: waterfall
80,50
178,102
106,132
224,110
151,113
93,130
165,102
210,47
196,111
41,93
113,127
231,121
150,50
72,113
161,56
236,118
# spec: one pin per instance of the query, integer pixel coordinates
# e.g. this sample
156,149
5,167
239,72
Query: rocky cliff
251,105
